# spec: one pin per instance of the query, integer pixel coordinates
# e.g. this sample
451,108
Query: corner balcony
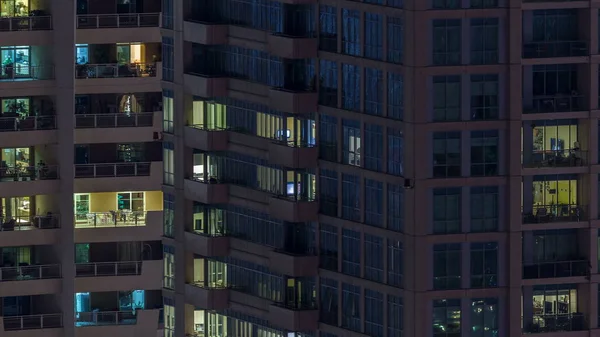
282,154
27,131
117,127
292,210
292,47
556,269
293,265
118,28
47,325
208,298
30,280
123,227
33,80
146,176
291,101
113,77
117,323
28,180
205,33
199,137
206,244
36,30
117,276
541,214
294,319
206,193
30,230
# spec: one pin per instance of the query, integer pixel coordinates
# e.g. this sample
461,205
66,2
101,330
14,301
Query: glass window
484,38
446,98
16,61
446,318
328,28
447,42
132,201
82,206
373,202
373,147
555,194
395,40
169,267
484,97
373,313
168,215
328,252
484,265
12,8
373,91
373,258
395,152
329,299
328,192
395,96
82,54
554,303
16,107
328,83
447,210
447,262
351,252
484,153
373,43
395,263
395,209
351,307
351,87
484,317
351,142
351,32
395,311
168,54
168,163
446,4
350,197
484,209
446,154
484,3
168,113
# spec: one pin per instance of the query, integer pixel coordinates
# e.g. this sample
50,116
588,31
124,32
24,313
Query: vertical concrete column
64,70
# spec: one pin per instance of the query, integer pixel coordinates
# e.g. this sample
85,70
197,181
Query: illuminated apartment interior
115,208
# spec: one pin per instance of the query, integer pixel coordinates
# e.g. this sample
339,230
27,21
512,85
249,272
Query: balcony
555,49
25,23
103,78
116,276
205,86
292,101
282,154
119,226
105,318
206,244
294,319
114,70
556,269
102,28
208,298
146,176
29,230
292,47
205,33
51,325
117,127
206,193
554,323
34,79
554,214
30,280
289,209
553,104
554,158
117,323
96,21
200,137
293,265
28,180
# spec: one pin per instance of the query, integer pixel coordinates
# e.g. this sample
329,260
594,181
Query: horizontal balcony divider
95,269
554,213
48,221
556,269
28,173
112,170
130,20
35,272
113,120
31,322
554,158
27,123
118,218
20,72
23,23
115,70
105,318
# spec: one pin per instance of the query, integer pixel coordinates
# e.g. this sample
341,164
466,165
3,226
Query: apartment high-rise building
384,168
81,205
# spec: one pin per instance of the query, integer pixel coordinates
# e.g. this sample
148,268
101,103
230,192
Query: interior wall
107,201
46,203
46,153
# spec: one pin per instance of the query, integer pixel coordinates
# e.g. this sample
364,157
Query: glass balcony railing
554,323
556,269
29,222
93,21
112,170
120,218
105,318
554,158
114,70
117,120
29,123
554,213
21,72
96,269
13,24
558,103
28,173
23,273
31,322
548,49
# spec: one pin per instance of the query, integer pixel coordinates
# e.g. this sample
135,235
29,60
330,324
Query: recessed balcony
560,324
34,79
49,325
144,176
209,298
25,23
30,280
294,319
206,244
29,180
199,137
116,127
554,158
114,276
115,70
206,192
102,28
556,269
127,323
119,226
121,20
29,230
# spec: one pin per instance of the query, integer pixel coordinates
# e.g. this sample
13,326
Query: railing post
135,169
95,217
40,272
95,269
116,121
97,21
115,170
137,269
21,321
138,19
94,170
116,268
118,21
10,21
15,124
95,121
41,321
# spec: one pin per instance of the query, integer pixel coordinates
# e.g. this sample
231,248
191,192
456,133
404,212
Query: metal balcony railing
21,72
30,322
96,269
28,173
121,218
555,269
28,222
116,120
93,21
30,123
12,24
112,170
558,103
554,213
114,70
554,158
23,273
554,323
105,318
547,49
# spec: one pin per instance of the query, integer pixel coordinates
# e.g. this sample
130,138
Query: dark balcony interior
112,301
555,198
555,253
294,20
27,113
228,61
109,153
249,172
96,104
100,252
555,33
117,60
29,212
29,163
554,308
30,305
555,88
554,143
117,7
29,256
